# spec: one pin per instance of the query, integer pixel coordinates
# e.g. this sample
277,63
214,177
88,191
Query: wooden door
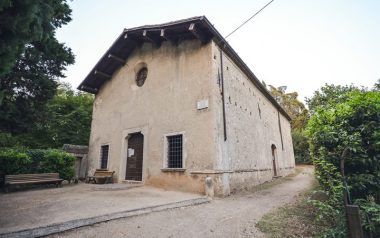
135,157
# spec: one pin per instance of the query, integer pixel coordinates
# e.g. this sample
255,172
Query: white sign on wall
131,152
202,104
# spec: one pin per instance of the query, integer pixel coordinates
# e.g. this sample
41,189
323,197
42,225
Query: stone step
133,182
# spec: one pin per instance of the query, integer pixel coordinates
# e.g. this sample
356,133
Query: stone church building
175,104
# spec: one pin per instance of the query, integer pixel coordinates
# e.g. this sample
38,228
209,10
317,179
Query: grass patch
293,220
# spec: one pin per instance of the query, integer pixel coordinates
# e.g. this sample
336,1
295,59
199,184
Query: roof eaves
219,40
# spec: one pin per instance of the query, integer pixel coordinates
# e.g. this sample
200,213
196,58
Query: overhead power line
249,19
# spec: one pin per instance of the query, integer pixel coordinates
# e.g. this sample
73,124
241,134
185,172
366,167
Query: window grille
175,151
104,156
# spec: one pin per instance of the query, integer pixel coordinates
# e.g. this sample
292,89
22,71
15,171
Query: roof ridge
170,23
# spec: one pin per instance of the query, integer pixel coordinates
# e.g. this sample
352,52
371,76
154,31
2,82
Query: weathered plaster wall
252,127
178,77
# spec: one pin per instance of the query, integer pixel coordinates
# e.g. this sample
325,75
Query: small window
141,76
174,151
104,156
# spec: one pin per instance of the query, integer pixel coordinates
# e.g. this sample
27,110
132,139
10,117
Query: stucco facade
183,94
254,124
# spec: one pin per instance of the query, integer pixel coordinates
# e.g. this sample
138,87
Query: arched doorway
274,153
135,153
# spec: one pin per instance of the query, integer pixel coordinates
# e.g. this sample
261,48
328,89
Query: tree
376,87
69,117
301,147
28,22
289,102
329,94
67,120
31,59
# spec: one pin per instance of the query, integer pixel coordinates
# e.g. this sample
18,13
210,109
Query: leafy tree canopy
330,94
289,102
31,59
66,120
376,87
25,23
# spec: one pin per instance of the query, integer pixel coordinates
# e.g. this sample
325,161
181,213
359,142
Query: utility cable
249,19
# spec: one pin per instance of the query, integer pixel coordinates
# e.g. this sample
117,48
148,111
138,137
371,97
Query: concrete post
209,187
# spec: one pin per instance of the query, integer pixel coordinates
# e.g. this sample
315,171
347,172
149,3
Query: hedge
350,129
21,161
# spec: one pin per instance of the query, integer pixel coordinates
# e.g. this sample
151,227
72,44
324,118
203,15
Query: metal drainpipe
223,103
279,127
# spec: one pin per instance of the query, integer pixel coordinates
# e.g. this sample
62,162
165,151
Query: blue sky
302,44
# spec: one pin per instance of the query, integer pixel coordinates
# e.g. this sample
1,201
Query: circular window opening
141,76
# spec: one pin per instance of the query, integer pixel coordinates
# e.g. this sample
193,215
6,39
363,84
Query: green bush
59,162
301,147
349,129
36,155
21,161
370,212
14,161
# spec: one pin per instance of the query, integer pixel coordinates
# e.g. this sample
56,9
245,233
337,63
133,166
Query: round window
141,76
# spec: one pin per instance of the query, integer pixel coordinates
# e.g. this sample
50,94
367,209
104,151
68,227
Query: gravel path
41,207
234,216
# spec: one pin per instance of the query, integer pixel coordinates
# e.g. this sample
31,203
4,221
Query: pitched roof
191,28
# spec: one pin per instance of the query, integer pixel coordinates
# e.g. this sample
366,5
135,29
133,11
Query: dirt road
234,216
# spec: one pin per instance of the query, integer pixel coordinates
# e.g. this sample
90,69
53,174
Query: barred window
104,156
174,151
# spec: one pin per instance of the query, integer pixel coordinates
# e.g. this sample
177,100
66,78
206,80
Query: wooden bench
101,174
26,179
